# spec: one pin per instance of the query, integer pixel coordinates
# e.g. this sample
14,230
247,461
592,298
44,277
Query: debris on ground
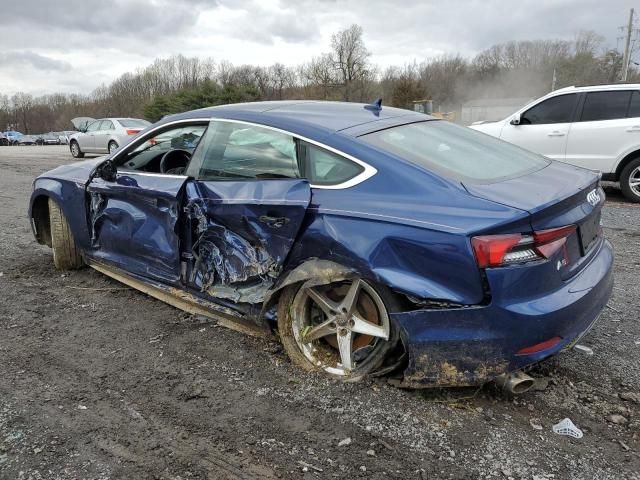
535,423
617,419
630,397
567,427
345,442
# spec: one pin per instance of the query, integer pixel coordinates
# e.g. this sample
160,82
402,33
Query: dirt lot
99,381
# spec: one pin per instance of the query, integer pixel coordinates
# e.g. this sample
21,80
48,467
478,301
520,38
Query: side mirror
107,171
515,120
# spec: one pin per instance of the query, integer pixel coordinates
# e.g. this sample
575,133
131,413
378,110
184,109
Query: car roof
596,88
309,116
120,118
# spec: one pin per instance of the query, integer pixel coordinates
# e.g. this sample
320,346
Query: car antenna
375,106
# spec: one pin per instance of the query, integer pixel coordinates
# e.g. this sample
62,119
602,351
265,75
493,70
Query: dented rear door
241,233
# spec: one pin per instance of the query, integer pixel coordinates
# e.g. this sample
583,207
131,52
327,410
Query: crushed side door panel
241,234
133,224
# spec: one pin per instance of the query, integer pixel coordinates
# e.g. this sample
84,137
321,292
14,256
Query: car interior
167,152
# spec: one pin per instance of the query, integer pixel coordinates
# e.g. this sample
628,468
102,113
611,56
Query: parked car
104,135
13,136
4,141
64,136
374,239
595,127
51,138
26,140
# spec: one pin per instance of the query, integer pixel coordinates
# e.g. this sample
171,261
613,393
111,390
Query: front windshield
456,152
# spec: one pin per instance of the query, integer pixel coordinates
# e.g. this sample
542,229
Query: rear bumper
470,346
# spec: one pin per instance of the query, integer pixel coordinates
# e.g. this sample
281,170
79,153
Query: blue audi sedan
372,240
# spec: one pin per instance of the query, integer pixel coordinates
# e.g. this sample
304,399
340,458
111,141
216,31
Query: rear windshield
456,152
134,123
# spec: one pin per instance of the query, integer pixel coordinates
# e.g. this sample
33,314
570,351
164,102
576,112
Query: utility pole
627,53
553,80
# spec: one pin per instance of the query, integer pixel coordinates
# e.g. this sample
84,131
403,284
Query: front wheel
65,252
630,181
342,328
75,150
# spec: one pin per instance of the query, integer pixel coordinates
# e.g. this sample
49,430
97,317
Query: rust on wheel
338,326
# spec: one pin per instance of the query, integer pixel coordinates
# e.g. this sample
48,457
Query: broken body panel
237,243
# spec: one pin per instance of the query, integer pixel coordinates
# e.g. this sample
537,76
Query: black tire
66,255
75,149
112,147
629,173
287,308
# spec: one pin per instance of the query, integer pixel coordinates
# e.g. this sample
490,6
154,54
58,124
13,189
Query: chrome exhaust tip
515,383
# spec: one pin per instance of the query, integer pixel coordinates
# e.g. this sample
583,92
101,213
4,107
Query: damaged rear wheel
342,328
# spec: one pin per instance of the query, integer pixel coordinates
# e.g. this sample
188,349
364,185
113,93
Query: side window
605,106
94,126
106,125
326,168
634,105
235,150
553,110
146,156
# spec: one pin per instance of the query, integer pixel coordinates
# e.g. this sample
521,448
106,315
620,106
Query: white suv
596,127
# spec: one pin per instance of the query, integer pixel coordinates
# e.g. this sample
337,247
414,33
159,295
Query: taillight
490,250
500,250
548,242
132,131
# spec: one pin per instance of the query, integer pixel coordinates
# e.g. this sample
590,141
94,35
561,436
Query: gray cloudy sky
75,45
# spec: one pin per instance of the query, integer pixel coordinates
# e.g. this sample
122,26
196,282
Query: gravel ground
102,382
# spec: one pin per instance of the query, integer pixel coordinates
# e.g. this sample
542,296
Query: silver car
104,135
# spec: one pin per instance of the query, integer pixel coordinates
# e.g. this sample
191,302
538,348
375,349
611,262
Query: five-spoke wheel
342,328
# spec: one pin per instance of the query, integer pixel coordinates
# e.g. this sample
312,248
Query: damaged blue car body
464,258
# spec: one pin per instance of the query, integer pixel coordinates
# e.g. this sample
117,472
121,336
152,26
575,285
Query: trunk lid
555,196
552,195
81,123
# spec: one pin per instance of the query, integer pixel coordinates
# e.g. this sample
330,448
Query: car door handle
635,128
556,133
274,222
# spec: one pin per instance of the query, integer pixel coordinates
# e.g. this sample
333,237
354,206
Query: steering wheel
175,161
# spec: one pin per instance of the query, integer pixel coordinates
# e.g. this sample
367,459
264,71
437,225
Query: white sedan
104,135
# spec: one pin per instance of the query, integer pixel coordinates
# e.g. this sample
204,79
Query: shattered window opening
233,150
147,155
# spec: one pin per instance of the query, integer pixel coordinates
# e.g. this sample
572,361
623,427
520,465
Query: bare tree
281,78
587,41
350,58
319,77
402,86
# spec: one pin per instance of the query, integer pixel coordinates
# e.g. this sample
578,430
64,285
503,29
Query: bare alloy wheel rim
634,181
337,327
74,148
112,147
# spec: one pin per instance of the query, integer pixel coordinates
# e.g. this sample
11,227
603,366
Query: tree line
345,72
